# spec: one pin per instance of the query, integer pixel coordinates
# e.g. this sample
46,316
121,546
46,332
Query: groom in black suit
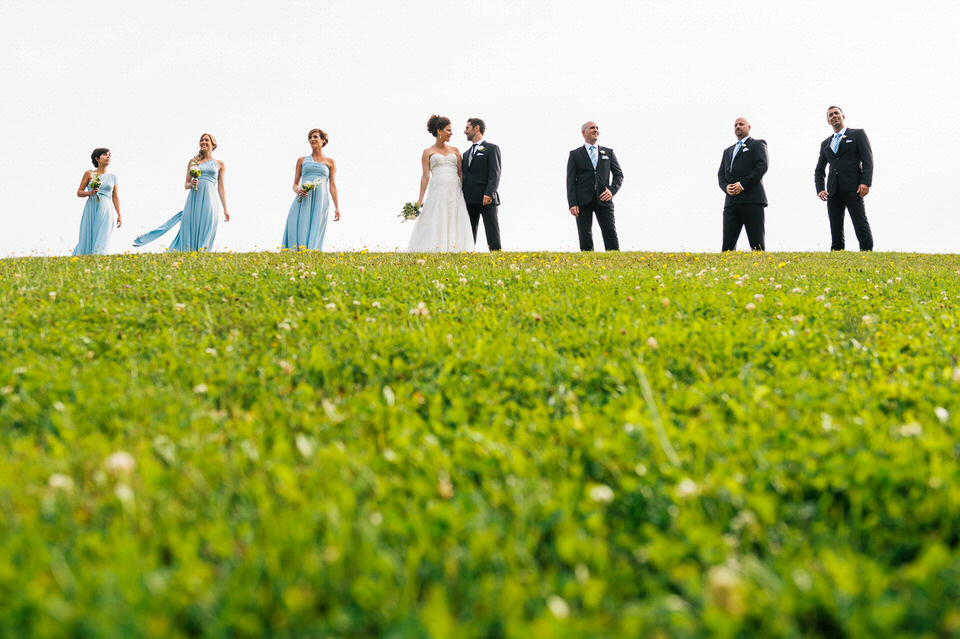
593,178
741,178
850,157
481,177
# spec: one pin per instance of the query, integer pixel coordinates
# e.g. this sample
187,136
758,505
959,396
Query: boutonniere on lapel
602,152
843,137
481,149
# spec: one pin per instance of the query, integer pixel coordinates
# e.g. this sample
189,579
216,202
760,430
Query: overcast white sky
664,80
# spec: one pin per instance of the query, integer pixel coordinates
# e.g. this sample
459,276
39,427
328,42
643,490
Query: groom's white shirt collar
587,146
478,142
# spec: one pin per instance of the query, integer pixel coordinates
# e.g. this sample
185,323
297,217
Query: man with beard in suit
481,177
850,158
741,177
593,178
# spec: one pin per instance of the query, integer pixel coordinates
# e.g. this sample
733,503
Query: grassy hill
515,445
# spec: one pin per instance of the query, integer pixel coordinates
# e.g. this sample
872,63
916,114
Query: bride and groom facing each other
463,188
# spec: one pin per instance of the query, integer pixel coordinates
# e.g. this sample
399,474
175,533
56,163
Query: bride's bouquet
95,181
410,211
308,186
194,173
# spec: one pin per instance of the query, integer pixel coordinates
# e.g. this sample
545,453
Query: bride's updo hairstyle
436,124
323,136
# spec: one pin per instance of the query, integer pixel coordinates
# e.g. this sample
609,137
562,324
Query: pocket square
604,158
848,141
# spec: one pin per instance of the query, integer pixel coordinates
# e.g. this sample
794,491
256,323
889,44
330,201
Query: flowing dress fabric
98,219
307,220
198,219
444,224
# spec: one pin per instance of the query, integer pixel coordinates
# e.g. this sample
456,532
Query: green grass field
519,445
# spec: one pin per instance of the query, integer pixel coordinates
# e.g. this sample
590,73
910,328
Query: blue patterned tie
836,142
735,151
593,155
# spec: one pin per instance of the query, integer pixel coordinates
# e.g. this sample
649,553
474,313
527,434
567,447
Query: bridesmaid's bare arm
191,181
222,190
333,189
116,205
82,192
296,179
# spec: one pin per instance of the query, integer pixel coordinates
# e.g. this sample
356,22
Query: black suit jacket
583,181
850,166
482,176
748,169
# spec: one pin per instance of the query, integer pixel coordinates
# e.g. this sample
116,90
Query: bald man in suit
742,168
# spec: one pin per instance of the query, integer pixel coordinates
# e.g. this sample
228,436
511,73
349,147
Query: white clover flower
942,414
601,494
375,305
758,297
866,319
124,493
420,309
59,481
211,351
120,462
665,302
200,389
421,262
751,307
53,295
687,488
913,429
331,306
558,607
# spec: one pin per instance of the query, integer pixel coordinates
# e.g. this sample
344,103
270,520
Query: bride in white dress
443,224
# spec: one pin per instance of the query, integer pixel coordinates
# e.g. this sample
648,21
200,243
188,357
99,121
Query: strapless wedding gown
444,224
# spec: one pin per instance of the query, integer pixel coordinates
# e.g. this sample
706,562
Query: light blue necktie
735,151
593,155
836,142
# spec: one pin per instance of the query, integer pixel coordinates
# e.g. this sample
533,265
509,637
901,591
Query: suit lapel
585,155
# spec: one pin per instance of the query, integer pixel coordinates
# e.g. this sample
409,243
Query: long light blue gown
98,219
307,220
198,219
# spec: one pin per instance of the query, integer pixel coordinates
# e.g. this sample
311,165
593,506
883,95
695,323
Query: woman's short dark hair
436,124
478,123
95,156
323,136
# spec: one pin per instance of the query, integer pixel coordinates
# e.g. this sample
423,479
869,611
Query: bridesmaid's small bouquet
410,211
194,173
95,181
308,186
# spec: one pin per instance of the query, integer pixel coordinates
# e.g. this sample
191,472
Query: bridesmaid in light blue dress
198,219
307,220
97,221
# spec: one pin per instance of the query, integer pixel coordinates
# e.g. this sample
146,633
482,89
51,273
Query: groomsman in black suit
481,177
850,158
741,178
593,178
